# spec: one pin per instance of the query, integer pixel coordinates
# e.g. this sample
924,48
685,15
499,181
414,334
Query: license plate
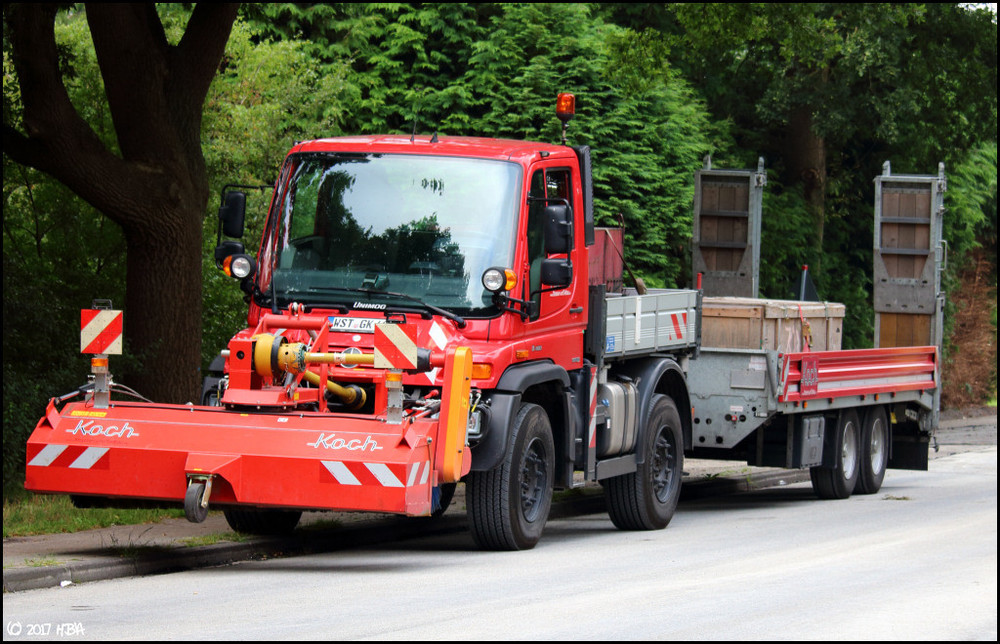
352,325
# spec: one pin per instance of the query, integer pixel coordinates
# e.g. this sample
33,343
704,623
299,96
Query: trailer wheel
509,504
646,499
262,521
874,451
838,481
194,510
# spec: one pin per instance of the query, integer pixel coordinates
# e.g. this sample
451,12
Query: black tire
838,481
445,493
193,509
509,505
874,451
647,498
260,521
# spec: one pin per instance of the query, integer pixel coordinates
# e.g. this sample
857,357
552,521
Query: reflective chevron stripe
380,474
64,456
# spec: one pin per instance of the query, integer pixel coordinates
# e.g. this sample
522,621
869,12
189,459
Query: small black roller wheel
194,509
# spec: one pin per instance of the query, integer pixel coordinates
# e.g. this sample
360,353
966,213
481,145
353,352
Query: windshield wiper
458,320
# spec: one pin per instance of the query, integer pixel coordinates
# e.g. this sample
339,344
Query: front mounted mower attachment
274,443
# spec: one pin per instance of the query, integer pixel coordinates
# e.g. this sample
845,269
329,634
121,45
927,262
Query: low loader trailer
423,311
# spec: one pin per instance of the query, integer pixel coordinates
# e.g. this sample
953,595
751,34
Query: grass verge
216,537
49,514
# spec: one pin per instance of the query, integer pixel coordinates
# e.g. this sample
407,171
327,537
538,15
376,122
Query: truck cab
479,243
368,225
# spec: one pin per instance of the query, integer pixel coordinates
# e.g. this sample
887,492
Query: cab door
555,309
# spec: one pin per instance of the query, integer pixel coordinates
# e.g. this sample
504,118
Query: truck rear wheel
509,504
874,451
646,499
838,481
262,521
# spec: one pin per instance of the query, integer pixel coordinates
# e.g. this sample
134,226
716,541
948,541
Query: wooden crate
746,323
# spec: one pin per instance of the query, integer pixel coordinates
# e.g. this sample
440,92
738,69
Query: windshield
360,227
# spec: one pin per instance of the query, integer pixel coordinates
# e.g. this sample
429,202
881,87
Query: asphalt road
916,561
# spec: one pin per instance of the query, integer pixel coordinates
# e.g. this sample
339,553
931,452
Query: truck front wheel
646,499
509,504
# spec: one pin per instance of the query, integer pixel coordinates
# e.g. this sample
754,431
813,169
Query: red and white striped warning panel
395,346
440,340
100,331
380,474
75,457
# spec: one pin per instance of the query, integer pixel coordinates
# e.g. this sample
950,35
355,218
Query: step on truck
427,310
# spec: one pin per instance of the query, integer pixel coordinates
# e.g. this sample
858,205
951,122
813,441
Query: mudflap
910,451
301,460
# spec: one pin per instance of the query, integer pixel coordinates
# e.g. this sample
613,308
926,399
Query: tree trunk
805,153
162,309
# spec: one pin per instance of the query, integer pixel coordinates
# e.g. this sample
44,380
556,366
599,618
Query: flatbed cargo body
736,392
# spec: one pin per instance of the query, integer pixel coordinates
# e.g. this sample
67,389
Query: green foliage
268,95
494,70
971,202
970,221
786,232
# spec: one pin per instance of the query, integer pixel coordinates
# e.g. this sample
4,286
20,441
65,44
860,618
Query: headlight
242,266
239,266
496,280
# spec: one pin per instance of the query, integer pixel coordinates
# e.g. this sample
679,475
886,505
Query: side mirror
557,273
232,212
558,229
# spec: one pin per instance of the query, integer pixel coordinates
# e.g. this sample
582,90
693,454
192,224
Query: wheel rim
877,446
662,470
849,450
534,480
